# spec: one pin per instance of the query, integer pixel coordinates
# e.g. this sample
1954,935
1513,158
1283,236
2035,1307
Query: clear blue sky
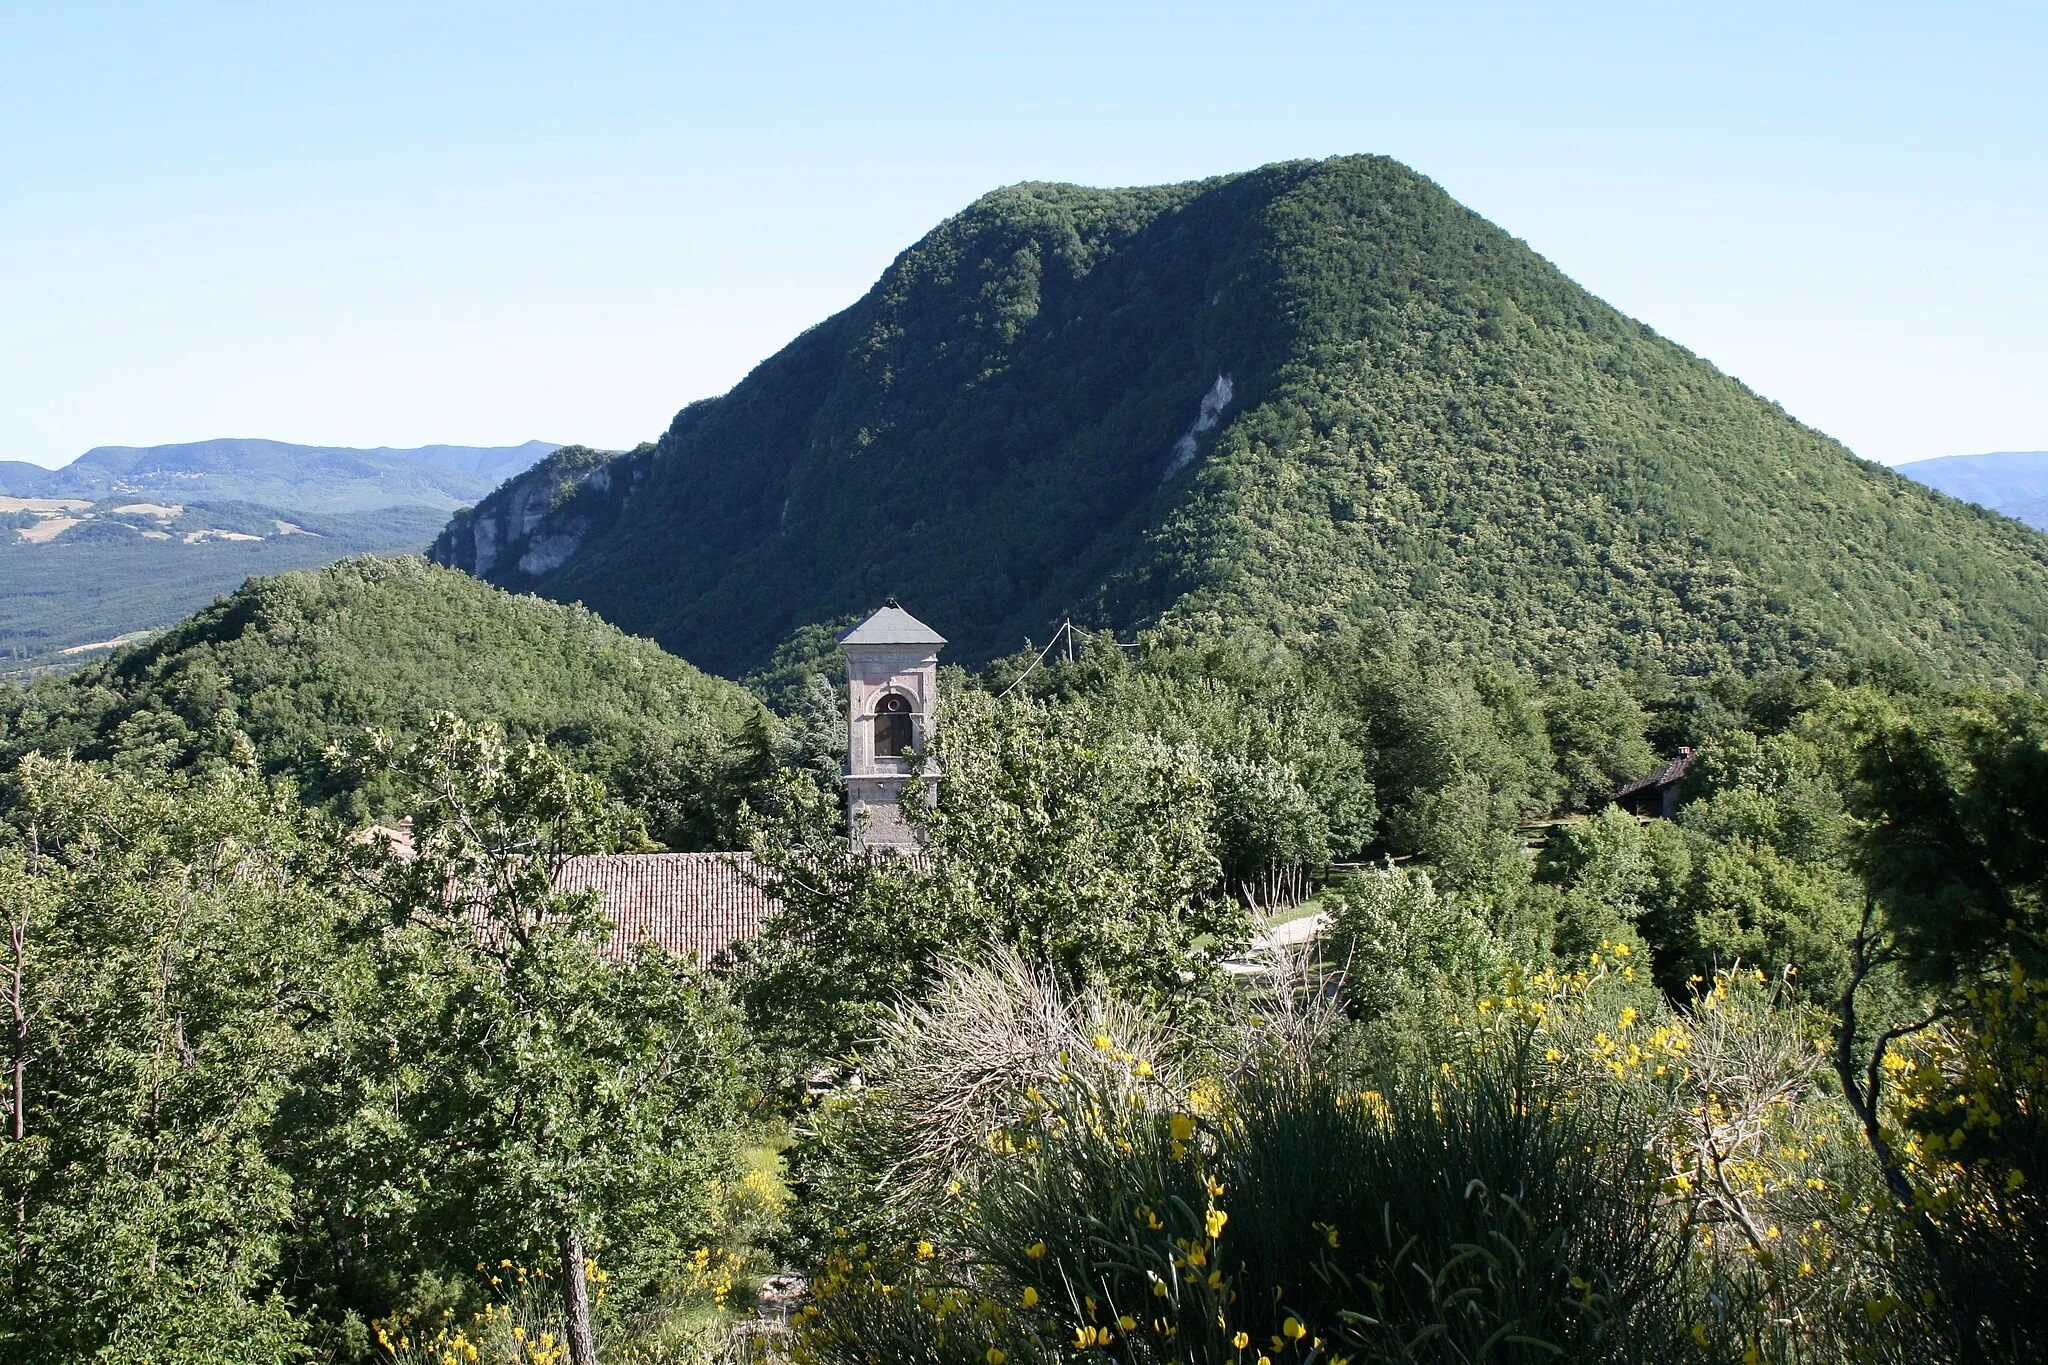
370,224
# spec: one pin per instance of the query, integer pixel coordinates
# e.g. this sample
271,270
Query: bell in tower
892,697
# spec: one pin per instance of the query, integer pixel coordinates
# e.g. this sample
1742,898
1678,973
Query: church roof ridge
892,626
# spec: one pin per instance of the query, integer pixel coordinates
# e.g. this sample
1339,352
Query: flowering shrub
1970,1127
520,1325
1793,1240
1574,1171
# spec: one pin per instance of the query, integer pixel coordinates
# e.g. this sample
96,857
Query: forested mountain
278,474
301,660
1310,398
2012,482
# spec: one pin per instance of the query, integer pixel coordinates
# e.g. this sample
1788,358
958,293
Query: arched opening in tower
892,727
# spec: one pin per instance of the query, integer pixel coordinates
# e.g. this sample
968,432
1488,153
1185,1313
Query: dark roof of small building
698,904
1657,781
892,626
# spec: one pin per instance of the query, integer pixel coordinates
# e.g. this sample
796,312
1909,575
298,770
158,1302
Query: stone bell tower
892,698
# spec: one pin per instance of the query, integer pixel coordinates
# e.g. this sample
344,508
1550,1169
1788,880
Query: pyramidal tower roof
892,626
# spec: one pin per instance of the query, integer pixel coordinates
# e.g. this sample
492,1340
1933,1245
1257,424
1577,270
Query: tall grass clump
1464,1216
1472,1210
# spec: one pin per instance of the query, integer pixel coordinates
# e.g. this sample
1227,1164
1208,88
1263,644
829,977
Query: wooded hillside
301,661
1310,398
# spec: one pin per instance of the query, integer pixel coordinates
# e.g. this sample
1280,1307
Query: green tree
1400,940
166,960
1611,870
1266,818
1598,737
1746,902
1753,870
1770,789
1952,796
1090,852
1289,773
512,1087
1955,798
1460,760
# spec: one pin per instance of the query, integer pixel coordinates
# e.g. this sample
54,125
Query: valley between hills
123,541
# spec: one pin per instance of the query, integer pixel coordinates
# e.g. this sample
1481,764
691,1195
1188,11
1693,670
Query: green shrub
1560,1168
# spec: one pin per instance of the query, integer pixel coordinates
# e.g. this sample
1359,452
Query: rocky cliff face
532,524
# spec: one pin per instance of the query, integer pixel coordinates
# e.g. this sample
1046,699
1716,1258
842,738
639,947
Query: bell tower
892,698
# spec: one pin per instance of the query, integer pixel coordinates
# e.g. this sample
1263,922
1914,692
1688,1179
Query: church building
700,904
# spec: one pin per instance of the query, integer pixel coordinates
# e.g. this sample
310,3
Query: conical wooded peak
1315,398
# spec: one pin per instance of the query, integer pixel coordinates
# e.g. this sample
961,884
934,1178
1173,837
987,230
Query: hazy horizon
386,445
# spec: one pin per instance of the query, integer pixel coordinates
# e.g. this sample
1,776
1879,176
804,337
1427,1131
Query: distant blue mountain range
2014,482
279,474
126,539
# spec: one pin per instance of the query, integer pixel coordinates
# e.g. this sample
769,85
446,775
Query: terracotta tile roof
695,903
698,904
396,839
